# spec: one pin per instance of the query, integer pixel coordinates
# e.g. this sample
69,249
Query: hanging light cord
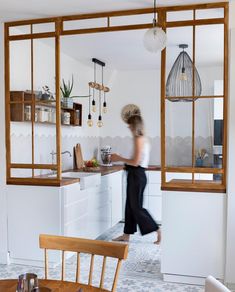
94,72
99,102
94,81
89,100
102,76
183,69
103,81
154,14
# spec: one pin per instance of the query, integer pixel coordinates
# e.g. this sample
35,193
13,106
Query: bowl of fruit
92,165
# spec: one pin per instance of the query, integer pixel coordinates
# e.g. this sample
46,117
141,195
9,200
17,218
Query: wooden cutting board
79,162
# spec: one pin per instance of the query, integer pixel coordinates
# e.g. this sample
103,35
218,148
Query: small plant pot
199,162
45,96
67,102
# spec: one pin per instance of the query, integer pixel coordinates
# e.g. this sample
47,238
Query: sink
87,179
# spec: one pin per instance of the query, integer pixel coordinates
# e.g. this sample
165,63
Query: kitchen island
64,210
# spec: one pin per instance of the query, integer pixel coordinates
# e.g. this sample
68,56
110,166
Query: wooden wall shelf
45,111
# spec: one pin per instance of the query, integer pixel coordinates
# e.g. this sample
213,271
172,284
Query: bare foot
159,237
124,237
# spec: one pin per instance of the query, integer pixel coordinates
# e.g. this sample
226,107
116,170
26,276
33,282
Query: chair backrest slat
63,266
91,270
78,267
114,287
103,272
46,263
88,246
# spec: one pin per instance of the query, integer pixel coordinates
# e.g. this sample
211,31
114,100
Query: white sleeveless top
144,159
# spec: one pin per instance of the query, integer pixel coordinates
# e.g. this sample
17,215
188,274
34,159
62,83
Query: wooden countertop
110,169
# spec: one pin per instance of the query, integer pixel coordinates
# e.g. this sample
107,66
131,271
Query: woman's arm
138,146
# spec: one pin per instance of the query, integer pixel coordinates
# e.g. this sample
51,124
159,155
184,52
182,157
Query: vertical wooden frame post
193,95
32,96
7,101
162,21
225,100
58,103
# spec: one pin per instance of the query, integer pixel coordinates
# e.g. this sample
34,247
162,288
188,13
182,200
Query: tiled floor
139,273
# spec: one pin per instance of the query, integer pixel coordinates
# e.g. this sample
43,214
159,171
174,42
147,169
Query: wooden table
54,285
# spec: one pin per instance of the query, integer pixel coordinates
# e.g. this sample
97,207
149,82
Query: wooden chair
88,246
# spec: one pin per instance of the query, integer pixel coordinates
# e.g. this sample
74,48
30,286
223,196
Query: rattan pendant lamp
180,79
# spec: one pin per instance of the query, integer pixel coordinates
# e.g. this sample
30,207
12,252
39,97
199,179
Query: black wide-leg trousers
135,214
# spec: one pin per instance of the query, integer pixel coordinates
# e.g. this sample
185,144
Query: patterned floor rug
139,273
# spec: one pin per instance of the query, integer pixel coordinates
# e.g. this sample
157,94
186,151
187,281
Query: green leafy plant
66,89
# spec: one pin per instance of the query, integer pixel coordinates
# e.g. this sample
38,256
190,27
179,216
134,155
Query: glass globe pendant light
155,37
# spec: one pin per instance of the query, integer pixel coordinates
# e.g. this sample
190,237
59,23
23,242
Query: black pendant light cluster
102,90
180,79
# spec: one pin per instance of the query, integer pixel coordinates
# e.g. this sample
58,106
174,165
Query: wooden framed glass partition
192,157
54,28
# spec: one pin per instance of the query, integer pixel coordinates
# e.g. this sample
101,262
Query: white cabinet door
31,211
155,207
75,215
99,211
155,195
193,241
154,190
116,197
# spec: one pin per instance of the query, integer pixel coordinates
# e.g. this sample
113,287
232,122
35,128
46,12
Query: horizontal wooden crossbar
74,244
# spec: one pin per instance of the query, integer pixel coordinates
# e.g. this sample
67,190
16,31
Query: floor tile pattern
139,273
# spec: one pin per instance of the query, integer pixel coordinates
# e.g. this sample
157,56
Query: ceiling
27,9
123,50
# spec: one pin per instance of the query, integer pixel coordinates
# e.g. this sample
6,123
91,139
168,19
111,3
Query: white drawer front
72,193
73,212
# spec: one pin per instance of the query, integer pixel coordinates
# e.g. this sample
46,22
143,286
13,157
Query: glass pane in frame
28,173
20,102
178,133
176,176
180,15
209,132
209,56
179,66
210,13
45,103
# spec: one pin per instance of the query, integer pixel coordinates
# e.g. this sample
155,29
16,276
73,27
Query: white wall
143,88
230,255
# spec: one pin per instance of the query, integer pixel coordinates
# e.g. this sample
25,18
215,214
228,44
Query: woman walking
135,214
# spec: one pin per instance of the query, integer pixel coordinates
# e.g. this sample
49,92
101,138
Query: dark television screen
218,132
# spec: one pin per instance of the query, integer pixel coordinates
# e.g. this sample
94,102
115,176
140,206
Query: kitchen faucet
53,153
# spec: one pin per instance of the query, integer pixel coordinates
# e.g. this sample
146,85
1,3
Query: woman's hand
115,157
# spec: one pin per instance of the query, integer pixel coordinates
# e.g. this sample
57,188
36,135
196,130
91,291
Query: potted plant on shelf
46,94
66,90
201,154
